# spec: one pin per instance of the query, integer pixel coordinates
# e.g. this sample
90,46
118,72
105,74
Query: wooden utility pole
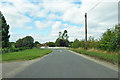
85,30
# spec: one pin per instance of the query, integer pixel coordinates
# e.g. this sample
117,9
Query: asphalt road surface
65,64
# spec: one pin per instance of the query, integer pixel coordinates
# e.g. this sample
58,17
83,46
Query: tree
63,39
57,42
28,42
12,44
19,43
51,44
63,43
65,35
117,28
37,44
25,42
76,43
91,42
110,40
70,43
60,33
5,31
82,43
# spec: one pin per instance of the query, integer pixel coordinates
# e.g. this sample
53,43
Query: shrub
76,44
51,44
6,50
25,42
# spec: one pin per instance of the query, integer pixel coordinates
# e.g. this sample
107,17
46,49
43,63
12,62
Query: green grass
113,58
28,54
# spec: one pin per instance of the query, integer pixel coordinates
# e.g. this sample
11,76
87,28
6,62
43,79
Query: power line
94,6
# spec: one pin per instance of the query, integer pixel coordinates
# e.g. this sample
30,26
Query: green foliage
28,42
37,44
4,27
19,43
62,42
51,44
12,44
92,43
75,44
25,42
63,39
82,43
109,40
65,35
7,50
70,44
57,42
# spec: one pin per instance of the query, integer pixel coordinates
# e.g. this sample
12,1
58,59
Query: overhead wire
94,6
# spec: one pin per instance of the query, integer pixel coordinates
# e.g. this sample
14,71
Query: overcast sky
43,19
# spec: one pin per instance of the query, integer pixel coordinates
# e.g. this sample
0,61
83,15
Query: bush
109,40
75,44
51,44
25,42
7,50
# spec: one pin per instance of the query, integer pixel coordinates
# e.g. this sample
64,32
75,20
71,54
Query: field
113,58
28,54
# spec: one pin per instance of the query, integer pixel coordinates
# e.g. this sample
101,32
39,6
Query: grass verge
112,58
28,54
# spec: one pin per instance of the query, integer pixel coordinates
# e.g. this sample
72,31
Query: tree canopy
75,44
4,29
27,41
63,39
37,44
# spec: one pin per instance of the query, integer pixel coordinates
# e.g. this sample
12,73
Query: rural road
62,63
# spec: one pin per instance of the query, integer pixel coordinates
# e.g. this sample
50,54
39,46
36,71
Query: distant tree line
27,41
22,44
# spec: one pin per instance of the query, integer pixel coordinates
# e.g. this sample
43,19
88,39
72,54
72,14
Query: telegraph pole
85,30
